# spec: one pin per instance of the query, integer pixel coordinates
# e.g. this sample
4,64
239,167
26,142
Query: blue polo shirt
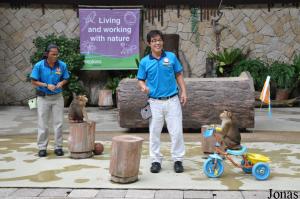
159,74
44,73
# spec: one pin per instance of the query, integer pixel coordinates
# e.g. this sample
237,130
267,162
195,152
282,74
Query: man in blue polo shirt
158,76
49,75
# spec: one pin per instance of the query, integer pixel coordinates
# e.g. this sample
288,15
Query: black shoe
42,153
155,167
178,168
59,152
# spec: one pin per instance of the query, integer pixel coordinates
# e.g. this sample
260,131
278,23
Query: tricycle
254,163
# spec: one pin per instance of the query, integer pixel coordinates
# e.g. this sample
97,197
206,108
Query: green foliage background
258,70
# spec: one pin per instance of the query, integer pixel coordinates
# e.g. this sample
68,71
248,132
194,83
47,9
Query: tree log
81,139
207,98
125,158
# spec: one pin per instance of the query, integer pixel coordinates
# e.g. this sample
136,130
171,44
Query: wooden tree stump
81,140
208,143
125,158
207,98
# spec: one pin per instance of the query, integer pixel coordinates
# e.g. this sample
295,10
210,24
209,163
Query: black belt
164,98
51,94
42,94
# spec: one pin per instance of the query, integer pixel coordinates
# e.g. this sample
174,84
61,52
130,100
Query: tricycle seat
241,151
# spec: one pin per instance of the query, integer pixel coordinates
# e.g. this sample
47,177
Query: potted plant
107,95
225,60
69,52
283,75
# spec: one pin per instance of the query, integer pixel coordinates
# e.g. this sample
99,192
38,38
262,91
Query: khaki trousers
53,104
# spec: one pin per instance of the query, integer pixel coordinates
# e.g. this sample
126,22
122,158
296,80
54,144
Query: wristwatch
46,85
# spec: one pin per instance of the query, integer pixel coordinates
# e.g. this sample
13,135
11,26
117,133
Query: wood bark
125,158
207,98
81,139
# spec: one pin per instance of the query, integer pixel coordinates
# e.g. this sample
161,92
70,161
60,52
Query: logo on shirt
166,62
58,71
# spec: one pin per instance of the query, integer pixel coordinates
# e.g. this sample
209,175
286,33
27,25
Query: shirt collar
55,65
163,54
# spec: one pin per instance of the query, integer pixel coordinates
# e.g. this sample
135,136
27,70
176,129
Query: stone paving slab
228,195
108,193
255,194
171,194
83,193
6,192
142,194
55,192
197,194
27,192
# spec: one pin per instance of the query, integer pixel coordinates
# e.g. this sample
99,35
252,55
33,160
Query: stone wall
273,35
18,28
269,35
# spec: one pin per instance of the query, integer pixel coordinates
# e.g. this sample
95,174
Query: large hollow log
207,98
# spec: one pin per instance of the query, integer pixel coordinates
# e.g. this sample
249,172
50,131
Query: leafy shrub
296,65
257,69
282,74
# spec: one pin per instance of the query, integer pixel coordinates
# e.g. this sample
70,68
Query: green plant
225,60
296,65
112,84
257,69
114,80
282,74
69,52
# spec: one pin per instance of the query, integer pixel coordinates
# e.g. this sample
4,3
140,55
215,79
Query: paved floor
58,193
283,129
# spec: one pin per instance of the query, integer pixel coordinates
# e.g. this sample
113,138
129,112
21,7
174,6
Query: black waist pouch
40,93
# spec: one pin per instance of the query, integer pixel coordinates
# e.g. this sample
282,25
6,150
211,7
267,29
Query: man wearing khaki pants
49,75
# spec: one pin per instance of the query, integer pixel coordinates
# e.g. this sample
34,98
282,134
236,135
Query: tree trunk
207,98
81,140
125,158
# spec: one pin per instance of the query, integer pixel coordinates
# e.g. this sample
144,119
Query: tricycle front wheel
261,171
213,168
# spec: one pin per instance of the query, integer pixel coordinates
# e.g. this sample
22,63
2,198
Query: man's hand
145,89
59,85
51,87
183,98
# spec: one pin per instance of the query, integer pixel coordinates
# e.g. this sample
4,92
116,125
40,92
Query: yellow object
218,129
216,172
255,157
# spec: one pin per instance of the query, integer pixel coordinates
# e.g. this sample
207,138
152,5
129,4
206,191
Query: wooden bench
207,98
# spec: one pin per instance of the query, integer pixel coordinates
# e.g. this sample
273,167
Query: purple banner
109,32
